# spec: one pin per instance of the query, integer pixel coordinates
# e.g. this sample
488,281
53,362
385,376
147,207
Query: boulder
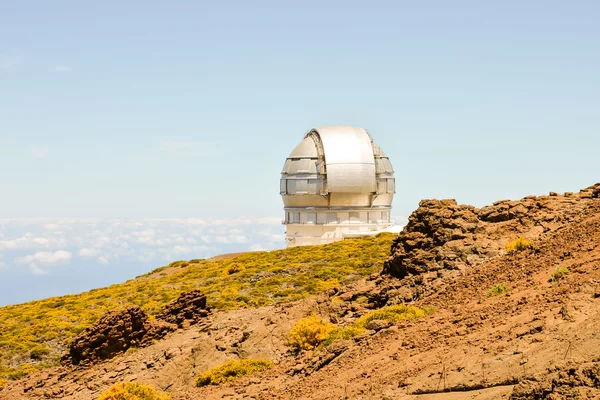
113,334
189,307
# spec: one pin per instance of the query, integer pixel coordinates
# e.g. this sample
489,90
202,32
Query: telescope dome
336,183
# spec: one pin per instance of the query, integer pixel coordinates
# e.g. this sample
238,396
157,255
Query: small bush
309,332
2,383
133,391
231,370
497,290
38,352
343,334
233,268
559,273
393,313
519,244
390,313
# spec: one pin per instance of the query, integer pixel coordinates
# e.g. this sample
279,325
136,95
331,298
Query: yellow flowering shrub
309,332
231,370
133,391
390,313
39,332
519,244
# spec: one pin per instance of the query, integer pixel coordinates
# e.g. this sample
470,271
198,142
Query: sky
136,113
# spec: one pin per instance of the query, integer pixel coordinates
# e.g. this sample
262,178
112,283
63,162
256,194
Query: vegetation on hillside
519,244
559,273
34,335
311,332
498,289
231,370
133,391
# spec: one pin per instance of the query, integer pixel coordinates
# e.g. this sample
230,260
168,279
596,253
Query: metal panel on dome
306,149
349,159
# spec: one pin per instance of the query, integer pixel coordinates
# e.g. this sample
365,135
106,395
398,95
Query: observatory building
337,183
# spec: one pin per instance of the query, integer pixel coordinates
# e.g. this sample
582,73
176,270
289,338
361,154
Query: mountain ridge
509,322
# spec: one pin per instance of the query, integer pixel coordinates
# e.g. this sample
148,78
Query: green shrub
309,332
559,273
231,370
519,244
497,290
133,391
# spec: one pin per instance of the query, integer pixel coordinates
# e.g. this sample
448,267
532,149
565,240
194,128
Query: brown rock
442,236
190,306
114,333
378,324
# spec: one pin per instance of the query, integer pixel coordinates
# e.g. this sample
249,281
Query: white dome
337,159
341,169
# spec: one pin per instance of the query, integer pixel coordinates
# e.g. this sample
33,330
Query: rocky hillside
513,291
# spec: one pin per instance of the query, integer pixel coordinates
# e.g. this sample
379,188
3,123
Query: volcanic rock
114,333
190,306
442,236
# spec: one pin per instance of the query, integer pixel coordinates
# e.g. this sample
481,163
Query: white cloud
231,239
52,227
27,241
44,258
133,240
248,221
257,247
39,153
88,253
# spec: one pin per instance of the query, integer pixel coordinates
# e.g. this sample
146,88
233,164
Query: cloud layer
41,244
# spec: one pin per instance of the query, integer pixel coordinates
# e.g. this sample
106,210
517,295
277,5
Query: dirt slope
538,340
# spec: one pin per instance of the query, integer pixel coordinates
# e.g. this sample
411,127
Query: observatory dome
336,183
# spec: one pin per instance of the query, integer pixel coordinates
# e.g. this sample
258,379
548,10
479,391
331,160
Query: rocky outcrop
189,308
118,331
113,334
443,236
571,382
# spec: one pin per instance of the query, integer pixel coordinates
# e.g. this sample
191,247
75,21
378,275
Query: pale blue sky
187,109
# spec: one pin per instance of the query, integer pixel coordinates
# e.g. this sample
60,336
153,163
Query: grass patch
38,332
497,290
559,273
519,244
133,391
231,370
